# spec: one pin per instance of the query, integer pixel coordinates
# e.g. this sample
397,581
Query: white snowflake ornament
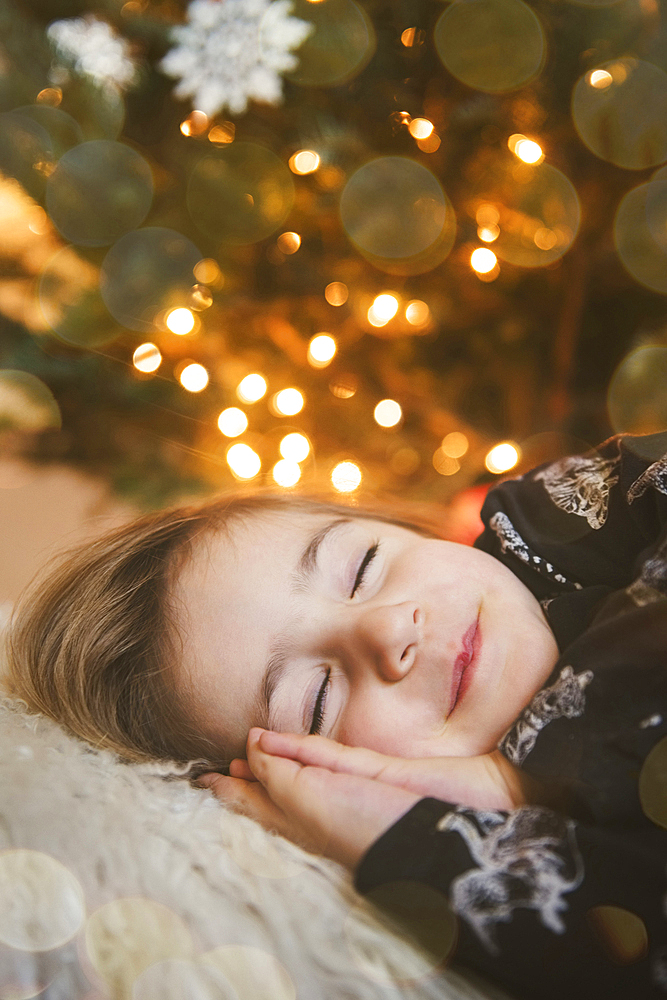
93,49
233,51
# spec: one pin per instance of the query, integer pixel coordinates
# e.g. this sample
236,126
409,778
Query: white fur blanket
117,883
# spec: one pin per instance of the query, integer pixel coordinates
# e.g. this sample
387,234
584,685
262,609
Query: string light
194,124
455,444
384,309
529,151
251,388
487,215
483,260
305,161
346,477
243,461
147,358
232,422
321,350
180,321
420,128
288,402
207,271
336,293
289,242
600,79
223,133
286,473
417,313
194,377
387,413
502,457
295,447
488,233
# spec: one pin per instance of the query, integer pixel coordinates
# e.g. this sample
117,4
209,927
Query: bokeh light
200,298
394,209
637,394
625,121
336,293
42,902
305,161
420,932
387,413
289,242
641,217
483,260
222,133
251,388
339,46
653,784
180,321
502,457
286,473
244,462
195,124
99,191
346,477
404,461
145,272
417,313
208,272
491,45
288,402
488,233
178,977
295,447
455,444
321,350
232,422
70,300
253,972
600,78
240,194
147,358
194,377
26,403
32,140
537,207
383,309
128,935
444,464
345,387
621,933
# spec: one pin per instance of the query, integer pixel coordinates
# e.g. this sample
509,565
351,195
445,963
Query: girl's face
364,631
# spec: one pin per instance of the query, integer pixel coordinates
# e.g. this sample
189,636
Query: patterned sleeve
583,521
541,905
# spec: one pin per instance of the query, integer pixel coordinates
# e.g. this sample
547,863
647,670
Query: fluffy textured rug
122,882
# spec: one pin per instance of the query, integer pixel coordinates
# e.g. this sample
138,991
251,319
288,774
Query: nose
387,637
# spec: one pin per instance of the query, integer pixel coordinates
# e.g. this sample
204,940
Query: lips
464,665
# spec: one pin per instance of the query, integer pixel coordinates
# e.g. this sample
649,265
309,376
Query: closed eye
365,563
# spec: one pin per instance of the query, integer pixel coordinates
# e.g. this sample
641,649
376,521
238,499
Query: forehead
232,595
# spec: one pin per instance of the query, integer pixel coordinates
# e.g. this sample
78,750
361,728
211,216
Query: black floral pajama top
569,899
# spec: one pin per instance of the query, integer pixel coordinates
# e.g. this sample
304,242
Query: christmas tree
365,247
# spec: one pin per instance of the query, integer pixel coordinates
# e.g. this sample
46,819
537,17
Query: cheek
393,729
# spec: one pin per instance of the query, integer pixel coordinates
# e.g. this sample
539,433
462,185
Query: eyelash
365,563
318,712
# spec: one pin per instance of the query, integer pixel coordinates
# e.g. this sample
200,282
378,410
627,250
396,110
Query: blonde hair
94,645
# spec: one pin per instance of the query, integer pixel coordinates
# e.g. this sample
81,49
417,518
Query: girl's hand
326,811
487,781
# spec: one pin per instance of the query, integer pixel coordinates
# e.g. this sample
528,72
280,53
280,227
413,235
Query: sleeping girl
488,721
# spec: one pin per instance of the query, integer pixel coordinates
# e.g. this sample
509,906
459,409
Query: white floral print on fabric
655,476
527,858
580,485
511,541
564,699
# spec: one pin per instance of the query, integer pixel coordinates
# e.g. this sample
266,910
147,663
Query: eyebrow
299,579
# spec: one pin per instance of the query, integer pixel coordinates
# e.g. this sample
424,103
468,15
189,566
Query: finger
321,752
240,768
249,799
